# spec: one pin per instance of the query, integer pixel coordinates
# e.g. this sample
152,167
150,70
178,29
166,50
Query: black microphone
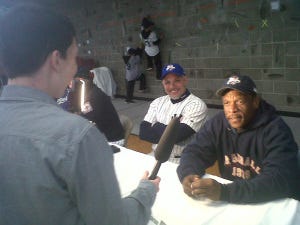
165,145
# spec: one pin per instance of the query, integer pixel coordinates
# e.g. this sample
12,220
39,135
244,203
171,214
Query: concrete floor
137,110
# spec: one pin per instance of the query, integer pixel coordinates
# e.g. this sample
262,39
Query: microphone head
167,140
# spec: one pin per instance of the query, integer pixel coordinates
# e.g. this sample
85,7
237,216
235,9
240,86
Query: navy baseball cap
172,68
240,83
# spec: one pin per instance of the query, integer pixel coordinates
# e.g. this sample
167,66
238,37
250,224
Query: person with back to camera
56,167
133,72
179,101
151,42
253,145
97,107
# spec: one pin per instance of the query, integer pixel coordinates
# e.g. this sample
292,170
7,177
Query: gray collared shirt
56,168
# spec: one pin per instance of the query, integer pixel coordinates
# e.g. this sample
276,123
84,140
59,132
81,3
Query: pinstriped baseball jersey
192,109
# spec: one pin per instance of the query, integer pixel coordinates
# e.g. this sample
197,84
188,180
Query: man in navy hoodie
254,148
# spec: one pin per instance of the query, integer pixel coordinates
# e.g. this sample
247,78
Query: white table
173,207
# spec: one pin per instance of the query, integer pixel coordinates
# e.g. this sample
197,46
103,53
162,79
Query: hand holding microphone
155,181
165,145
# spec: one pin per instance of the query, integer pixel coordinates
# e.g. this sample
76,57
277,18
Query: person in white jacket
151,43
134,72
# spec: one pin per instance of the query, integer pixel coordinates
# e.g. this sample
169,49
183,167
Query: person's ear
55,60
256,101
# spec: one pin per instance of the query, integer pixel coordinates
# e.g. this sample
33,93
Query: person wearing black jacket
97,108
254,147
100,110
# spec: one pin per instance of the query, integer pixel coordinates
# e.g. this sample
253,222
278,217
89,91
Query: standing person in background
151,42
133,72
3,82
56,167
179,101
254,147
3,79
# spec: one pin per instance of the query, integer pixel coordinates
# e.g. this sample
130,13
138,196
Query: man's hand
186,183
196,187
156,181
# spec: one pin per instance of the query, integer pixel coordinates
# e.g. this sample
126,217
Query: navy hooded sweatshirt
261,160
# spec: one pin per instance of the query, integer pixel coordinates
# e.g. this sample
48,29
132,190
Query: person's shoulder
195,98
219,116
163,98
65,126
159,101
73,120
99,93
217,119
95,88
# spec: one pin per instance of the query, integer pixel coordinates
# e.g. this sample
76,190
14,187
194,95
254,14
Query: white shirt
150,48
192,109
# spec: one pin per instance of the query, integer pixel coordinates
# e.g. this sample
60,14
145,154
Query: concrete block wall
209,39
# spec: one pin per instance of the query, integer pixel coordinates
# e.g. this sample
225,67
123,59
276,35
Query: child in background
133,72
151,42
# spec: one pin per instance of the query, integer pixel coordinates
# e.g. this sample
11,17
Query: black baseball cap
147,23
240,83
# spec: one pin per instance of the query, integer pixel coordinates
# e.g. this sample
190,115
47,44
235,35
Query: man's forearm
151,133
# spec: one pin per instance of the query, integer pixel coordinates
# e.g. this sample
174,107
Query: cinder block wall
209,39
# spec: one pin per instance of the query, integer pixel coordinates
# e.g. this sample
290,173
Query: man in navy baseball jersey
254,147
179,101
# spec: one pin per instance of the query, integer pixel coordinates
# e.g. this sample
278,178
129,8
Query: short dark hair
29,33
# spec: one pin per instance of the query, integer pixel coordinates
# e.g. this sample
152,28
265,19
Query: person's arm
199,154
94,189
153,133
194,114
279,176
147,132
193,117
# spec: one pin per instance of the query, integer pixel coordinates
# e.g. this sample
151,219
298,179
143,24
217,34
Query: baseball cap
172,68
146,23
240,83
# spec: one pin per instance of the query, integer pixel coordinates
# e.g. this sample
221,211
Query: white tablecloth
173,207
